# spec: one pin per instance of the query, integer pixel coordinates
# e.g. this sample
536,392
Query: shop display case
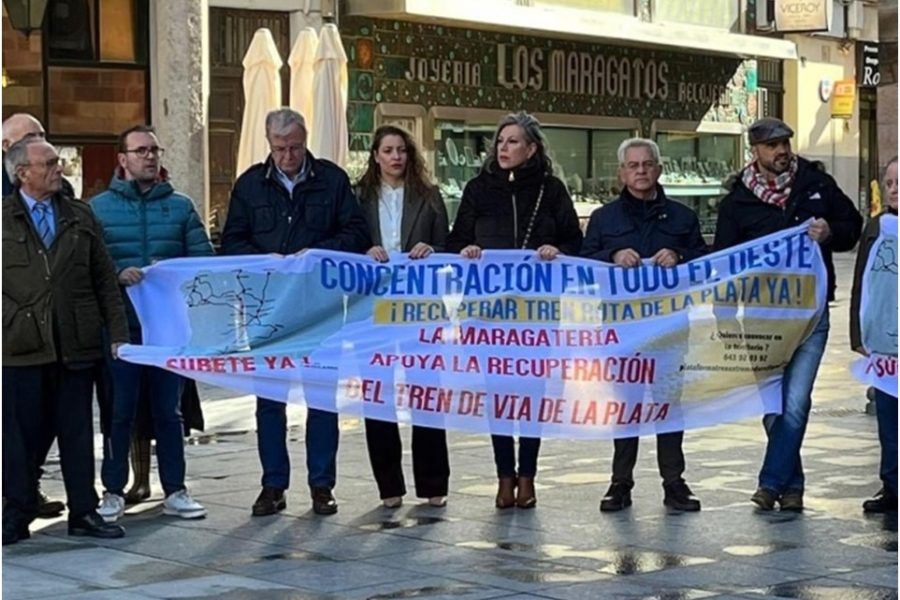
695,166
583,158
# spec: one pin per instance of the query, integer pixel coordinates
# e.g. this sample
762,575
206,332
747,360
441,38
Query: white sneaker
112,507
180,504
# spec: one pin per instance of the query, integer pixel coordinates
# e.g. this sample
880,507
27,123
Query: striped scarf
771,191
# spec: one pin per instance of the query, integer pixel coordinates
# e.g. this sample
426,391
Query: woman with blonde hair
516,202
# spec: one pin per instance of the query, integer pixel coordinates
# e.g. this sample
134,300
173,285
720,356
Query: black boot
881,502
140,467
617,497
679,497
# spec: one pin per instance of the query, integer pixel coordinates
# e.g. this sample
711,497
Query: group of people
67,264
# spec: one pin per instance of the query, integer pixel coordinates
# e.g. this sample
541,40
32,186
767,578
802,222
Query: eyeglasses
634,166
48,164
145,151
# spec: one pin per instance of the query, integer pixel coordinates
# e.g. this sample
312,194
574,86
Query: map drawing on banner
508,343
242,305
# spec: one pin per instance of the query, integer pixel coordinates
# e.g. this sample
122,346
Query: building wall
817,136
23,88
887,123
887,89
180,93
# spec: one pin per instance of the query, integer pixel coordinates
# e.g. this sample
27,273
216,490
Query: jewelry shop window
584,159
695,166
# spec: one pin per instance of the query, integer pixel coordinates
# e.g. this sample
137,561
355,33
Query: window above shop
625,7
97,31
720,14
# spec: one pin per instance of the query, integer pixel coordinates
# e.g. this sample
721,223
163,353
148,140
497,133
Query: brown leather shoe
792,501
506,492
525,496
323,501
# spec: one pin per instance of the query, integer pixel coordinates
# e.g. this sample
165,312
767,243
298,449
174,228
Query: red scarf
771,191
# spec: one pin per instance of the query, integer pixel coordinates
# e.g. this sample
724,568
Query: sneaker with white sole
112,507
180,504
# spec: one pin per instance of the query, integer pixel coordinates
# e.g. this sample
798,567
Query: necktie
42,223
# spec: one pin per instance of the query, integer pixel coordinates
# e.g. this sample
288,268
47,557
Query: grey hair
637,142
282,118
531,127
889,163
17,156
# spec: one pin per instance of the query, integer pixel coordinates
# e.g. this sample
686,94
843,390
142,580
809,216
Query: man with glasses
644,224
59,293
291,202
144,220
18,127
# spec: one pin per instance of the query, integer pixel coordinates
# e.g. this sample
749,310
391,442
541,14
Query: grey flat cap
769,129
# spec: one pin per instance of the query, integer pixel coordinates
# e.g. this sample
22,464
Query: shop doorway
231,32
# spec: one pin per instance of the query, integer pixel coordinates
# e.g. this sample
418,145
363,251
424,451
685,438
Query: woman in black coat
515,202
405,213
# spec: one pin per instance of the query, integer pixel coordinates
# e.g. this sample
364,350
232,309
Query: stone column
179,59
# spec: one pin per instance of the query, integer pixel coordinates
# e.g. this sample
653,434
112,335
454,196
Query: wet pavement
564,549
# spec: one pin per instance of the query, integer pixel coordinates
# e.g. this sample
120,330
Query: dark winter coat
140,228
57,300
497,207
815,194
644,226
322,212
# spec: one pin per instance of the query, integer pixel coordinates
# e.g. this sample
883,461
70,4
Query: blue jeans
321,445
886,410
782,470
163,390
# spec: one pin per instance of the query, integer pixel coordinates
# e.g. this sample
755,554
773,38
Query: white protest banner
508,344
878,311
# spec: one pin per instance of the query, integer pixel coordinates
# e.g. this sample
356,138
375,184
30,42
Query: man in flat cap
777,190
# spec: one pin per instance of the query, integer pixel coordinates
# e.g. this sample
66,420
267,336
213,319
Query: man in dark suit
291,202
59,293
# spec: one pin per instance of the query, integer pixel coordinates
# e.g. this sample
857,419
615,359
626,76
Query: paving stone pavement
563,549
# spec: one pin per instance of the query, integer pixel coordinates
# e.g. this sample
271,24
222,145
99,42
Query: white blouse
390,215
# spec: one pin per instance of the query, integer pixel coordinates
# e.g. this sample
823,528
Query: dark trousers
431,466
163,390
505,455
886,411
669,455
48,432
321,445
34,397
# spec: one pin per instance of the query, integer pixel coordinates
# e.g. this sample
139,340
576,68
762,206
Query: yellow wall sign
843,98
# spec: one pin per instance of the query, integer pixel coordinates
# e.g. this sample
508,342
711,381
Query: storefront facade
85,75
450,85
